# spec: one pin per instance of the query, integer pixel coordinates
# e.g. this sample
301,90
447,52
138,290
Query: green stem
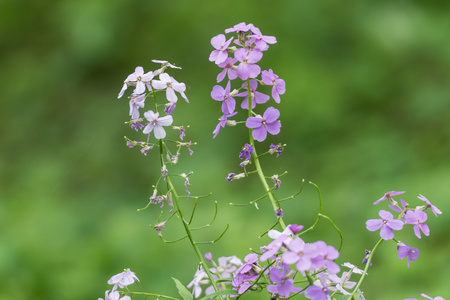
366,268
262,177
200,256
150,295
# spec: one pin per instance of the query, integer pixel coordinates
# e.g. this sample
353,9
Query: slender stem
150,295
262,177
366,268
200,256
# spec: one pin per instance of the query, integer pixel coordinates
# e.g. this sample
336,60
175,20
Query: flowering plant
289,264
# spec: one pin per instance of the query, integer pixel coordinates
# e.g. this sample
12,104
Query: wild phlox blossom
114,295
229,69
284,283
220,54
224,95
224,121
168,83
417,218
388,196
405,250
436,211
136,102
248,67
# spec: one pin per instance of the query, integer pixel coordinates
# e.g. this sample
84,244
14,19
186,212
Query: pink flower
257,97
388,196
220,44
386,223
417,218
139,79
279,86
123,279
436,211
267,123
156,124
404,250
171,85
248,67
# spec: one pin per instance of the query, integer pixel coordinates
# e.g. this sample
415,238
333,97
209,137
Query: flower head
417,218
248,67
279,86
170,85
436,211
123,279
156,124
284,285
386,223
220,44
257,97
219,93
139,79
388,196
404,250
267,123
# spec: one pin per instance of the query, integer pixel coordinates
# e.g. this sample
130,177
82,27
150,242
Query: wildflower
261,41
208,256
156,124
324,257
404,250
164,65
232,176
241,27
228,69
435,298
279,212
366,258
279,86
171,85
267,123
182,131
317,291
220,54
200,278
300,254
248,67
284,285
257,97
136,102
123,279
114,295
159,226
398,209
226,266
341,282
186,181
278,149
138,78
224,121
245,153
164,172
386,223
417,218
436,211
388,196
276,180
353,268
145,149
218,93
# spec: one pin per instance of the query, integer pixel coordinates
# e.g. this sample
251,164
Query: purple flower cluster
415,217
241,61
150,82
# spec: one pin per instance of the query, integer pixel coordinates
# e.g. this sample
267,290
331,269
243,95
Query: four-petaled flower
436,211
417,218
257,97
156,124
279,86
388,196
123,279
220,43
405,250
386,223
248,67
171,85
219,93
267,123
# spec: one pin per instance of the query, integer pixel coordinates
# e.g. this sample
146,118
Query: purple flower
388,196
300,254
156,124
279,86
171,85
257,97
284,284
145,149
435,298
278,149
248,67
404,250
398,209
123,279
366,258
136,102
267,123
261,41
276,180
317,291
241,27
138,78
228,69
218,93
324,257
220,43
436,211
245,153
417,218
114,295
386,223
164,65
224,121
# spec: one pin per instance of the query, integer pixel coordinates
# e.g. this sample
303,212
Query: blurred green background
366,111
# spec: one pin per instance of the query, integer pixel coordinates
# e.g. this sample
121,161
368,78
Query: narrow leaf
182,290
219,293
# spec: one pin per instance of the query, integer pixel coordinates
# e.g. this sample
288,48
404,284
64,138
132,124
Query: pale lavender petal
170,95
271,114
165,121
259,134
148,128
395,224
253,122
374,224
218,41
274,127
386,233
159,132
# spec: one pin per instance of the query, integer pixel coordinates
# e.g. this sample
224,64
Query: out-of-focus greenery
366,111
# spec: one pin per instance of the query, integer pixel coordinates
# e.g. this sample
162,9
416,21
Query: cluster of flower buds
241,61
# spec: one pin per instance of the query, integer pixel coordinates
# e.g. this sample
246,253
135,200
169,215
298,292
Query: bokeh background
366,111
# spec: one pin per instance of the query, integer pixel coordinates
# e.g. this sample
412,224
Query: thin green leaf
182,290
